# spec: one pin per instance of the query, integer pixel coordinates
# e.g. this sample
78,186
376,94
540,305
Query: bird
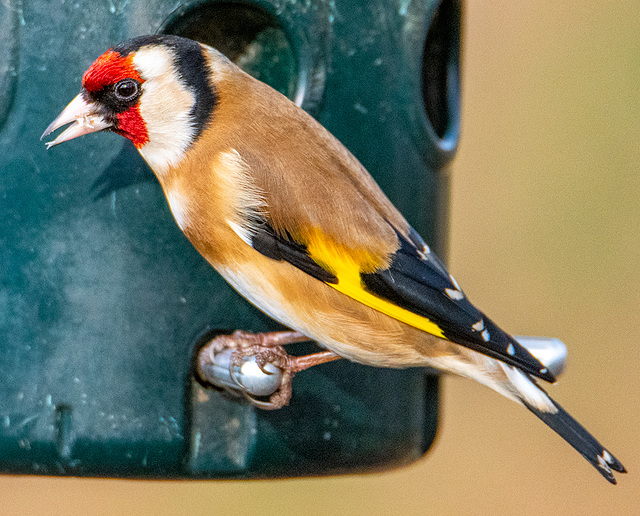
298,227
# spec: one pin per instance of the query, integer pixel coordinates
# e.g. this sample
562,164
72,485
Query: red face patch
108,69
132,126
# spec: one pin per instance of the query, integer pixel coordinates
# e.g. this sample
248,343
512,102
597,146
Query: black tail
587,445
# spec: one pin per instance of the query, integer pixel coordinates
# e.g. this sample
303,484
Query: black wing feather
578,437
267,242
417,281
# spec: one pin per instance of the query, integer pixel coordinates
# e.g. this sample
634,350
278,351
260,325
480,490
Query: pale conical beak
85,117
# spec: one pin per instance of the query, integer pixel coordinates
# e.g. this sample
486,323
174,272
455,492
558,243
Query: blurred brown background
545,210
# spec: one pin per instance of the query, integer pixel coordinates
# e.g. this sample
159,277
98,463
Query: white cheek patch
165,106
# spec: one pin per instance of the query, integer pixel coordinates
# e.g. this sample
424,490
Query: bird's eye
127,89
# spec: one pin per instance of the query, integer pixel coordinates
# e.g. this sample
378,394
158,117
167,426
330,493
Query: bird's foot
256,365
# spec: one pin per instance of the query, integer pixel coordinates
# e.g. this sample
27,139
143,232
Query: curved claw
265,405
261,362
233,373
262,368
277,400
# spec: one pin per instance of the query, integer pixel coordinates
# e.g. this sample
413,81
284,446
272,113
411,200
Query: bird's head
157,91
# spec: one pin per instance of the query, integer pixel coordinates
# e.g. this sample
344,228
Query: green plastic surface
102,299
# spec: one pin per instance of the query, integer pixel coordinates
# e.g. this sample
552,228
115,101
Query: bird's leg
267,340
291,365
267,352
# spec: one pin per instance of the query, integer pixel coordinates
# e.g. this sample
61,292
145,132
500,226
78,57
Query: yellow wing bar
345,267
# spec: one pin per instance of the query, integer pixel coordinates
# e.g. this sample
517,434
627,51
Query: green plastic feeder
104,302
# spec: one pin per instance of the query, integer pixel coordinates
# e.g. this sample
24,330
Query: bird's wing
324,214
414,287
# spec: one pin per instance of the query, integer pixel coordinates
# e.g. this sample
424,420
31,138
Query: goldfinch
289,217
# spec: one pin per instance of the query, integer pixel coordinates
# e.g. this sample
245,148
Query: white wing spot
456,295
479,326
603,464
485,335
455,283
511,350
426,250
